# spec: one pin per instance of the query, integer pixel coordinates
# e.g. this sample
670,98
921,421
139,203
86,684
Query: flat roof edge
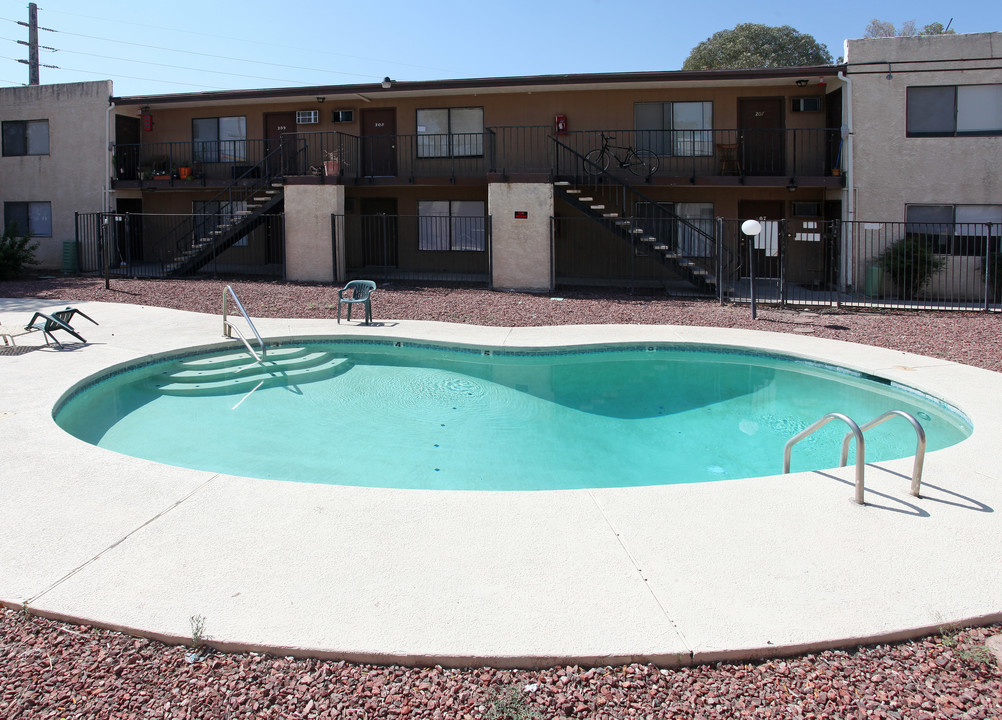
624,78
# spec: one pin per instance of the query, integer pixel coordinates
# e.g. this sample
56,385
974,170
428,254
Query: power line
227,37
200,54
181,67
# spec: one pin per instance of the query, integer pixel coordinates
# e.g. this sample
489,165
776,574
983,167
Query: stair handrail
633,189
657,208
228,327
853,430
919,445
178,232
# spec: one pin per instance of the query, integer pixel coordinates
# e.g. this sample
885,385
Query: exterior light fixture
386,83
320,98
752,228
802,82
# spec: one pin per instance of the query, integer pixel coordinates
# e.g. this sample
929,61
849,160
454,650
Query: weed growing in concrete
198,636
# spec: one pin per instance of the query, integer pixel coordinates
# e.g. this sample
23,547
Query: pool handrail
228,327
860,447
919,446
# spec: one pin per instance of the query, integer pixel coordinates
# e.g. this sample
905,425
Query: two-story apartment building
502,180
926,151
489,180
55,160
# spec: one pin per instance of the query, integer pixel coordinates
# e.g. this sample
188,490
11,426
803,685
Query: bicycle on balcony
642,163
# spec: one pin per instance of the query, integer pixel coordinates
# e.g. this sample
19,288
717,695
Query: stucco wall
891,170
73,176
309,251
521,246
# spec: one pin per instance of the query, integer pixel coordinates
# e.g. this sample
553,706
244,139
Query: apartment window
450,132
451,225
960,230
35,218
675,128
26,137
949,110
219,139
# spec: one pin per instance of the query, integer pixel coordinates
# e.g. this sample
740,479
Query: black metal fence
353,158
213,164
794,261
790,153
145,245
668,255
409,247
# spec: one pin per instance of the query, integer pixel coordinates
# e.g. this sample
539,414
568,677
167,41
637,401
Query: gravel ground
50,669
968,337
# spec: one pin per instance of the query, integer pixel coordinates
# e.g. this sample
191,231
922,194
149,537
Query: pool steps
237,372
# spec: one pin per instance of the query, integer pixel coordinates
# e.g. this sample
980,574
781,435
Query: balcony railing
692,154
786,153
214,164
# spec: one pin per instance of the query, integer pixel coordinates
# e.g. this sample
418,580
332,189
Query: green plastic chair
59,320
361,292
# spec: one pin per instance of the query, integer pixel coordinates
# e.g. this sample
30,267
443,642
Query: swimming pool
402,414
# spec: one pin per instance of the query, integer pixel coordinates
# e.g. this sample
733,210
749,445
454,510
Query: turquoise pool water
402,415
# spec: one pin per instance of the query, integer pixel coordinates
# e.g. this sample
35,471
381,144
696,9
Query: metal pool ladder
857,431
229,328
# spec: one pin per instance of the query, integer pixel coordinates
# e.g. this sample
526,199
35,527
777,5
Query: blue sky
188,46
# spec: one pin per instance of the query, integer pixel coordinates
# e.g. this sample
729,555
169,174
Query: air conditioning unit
807,104
307,117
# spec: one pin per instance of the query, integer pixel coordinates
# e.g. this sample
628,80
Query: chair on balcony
48,324
728,154
361,292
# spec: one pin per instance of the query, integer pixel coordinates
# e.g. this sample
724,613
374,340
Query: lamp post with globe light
752,228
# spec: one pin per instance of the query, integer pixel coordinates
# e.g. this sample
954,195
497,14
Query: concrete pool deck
672,574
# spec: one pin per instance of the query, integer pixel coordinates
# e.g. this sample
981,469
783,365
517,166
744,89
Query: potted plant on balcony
184,171
332,163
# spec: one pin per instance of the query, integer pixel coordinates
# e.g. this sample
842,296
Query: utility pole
33,44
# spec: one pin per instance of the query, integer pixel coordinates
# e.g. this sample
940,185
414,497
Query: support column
520,235
310,252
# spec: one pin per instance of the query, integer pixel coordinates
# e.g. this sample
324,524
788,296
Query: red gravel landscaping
50,669
973,338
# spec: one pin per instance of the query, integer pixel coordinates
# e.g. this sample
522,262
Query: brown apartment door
379,142
768,245
275,126
763,143
127,156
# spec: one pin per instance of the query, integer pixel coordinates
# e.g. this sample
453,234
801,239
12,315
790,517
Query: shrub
910,263
15,253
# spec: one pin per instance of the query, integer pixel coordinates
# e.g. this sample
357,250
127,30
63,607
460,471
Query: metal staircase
243,205
615,204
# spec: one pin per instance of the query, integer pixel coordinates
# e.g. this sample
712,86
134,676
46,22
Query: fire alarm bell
560,124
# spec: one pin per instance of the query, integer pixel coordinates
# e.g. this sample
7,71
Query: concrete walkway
672,574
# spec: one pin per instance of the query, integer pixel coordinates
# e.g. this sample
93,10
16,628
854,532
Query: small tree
882,28
16,252
910,263
750,45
